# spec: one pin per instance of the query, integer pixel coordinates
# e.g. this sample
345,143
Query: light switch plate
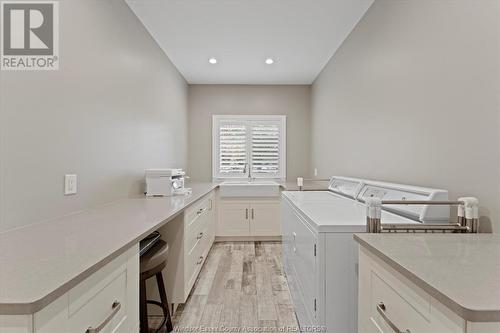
70,184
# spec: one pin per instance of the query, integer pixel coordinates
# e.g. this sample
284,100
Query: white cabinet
108,299
249,218
265,218
190,237
233,218
389,301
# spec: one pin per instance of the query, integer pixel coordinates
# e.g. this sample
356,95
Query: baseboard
219,239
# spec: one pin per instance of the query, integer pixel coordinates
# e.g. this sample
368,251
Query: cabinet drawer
196,231
194,261
389,306
107,308
197,254
197,209
196,223
405,305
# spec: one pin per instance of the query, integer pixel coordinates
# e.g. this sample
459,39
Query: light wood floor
242,285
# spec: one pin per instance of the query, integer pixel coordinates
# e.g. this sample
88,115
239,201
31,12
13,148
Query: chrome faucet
249,169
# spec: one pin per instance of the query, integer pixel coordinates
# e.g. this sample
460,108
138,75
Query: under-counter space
41,262
459,271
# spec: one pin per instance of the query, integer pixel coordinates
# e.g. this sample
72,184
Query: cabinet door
265,219
233,218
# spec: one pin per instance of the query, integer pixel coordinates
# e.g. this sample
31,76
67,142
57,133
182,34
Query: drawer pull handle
252,214
115,307
200,235
200,260
381,311
246,213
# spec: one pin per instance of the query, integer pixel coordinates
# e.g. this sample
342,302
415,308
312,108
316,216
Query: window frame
248,119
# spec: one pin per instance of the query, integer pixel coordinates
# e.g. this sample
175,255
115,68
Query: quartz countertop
462,271
41,262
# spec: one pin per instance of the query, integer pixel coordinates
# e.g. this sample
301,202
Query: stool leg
164,301
143,307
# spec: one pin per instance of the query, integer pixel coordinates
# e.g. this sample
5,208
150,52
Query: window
259,141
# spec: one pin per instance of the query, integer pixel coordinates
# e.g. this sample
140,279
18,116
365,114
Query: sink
244,188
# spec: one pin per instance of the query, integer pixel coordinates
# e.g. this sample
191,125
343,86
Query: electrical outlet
315,172
70,184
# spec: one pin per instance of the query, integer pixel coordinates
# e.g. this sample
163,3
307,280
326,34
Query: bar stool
152,264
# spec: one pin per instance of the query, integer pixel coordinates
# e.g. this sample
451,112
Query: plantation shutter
256,140
265,149
233,148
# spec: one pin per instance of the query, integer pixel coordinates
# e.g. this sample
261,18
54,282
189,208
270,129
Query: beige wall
116,106
412,96
208,100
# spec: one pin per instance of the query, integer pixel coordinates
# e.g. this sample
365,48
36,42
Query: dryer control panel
391,191
348,187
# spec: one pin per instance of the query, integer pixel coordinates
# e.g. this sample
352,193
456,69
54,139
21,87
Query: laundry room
249,166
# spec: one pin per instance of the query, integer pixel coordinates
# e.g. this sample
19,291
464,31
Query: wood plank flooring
241,288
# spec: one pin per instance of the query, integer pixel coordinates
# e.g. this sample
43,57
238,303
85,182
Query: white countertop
41,262
462,271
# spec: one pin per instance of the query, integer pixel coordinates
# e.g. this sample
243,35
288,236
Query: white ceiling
301,35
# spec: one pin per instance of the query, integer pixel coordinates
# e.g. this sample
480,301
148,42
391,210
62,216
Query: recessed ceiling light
212,61
269,61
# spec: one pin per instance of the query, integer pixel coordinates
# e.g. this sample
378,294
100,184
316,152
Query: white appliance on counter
165,182
319,253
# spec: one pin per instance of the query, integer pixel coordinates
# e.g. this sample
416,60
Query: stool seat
155,256
152,264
